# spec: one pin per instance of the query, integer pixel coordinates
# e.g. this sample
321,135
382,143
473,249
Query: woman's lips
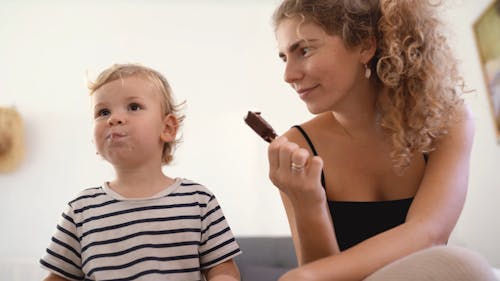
304,91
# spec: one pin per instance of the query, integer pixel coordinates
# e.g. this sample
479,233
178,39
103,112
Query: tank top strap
313,149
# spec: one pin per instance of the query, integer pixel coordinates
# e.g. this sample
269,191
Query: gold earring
368,72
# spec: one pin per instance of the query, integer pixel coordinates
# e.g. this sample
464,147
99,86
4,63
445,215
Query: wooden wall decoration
487,34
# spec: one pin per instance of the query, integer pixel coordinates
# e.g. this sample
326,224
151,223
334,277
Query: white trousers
440,263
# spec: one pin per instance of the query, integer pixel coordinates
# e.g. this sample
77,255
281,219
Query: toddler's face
128,121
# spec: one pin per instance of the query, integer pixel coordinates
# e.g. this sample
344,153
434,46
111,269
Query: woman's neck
358,114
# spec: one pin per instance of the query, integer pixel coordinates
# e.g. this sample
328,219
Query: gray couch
265,258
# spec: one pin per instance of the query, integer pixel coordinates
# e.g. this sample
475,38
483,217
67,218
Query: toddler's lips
115,136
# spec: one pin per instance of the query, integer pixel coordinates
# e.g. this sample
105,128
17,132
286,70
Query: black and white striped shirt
170,236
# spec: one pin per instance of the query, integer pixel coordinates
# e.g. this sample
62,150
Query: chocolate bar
260,126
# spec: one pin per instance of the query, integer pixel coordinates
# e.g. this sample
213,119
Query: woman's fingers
273,152
294,171
299,160
285,157
315,167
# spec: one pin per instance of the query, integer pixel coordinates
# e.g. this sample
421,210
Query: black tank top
355,222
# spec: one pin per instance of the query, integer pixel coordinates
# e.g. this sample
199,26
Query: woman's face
318,66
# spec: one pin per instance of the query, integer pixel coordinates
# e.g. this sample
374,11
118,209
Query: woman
380,173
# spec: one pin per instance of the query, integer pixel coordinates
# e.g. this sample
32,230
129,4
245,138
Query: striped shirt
170,236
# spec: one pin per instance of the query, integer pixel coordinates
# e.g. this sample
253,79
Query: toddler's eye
103,112
134,106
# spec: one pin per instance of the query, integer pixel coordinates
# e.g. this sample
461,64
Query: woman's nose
292,72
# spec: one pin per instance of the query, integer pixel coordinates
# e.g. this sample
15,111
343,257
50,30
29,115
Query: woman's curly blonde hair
413,63
122,71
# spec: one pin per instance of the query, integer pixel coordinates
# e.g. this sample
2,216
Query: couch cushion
265,258
260,272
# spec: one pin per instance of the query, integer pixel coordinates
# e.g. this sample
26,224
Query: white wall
220,57
479,225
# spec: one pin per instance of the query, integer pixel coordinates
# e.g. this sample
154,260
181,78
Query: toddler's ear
169,130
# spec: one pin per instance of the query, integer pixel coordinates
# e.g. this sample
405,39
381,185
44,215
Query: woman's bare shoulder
309,127
461,128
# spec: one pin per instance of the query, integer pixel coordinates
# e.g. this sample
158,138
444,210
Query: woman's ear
170,125
368,48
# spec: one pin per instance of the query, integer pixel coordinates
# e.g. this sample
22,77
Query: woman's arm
311,230
303,197
430,220
226,271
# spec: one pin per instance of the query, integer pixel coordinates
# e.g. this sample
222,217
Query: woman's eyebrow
296,45
291,48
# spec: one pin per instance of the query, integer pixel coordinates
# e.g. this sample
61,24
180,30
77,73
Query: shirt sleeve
217,241
63,255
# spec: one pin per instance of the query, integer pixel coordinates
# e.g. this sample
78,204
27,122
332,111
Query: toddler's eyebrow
98,105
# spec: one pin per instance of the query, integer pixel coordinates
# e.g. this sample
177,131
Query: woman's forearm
365,258
311,245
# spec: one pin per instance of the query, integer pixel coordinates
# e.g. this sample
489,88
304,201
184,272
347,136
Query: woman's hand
304,199
295,172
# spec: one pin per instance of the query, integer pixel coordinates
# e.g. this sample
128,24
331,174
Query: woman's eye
134,106
305,51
